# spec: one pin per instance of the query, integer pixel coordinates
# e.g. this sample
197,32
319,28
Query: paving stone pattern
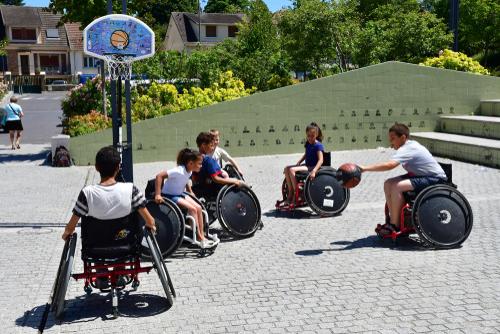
300,274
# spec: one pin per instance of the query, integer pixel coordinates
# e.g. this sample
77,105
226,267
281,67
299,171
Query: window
24,34
232,30
90,62
211,31
52,33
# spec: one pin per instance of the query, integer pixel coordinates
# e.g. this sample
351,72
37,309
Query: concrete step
479,126
465,148
490,107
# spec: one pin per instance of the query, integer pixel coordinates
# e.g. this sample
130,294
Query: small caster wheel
135,285
88,290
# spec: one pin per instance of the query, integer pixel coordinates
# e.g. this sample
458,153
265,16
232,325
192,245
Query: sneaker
122,280
205,243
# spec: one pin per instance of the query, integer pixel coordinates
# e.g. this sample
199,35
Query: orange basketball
119,39
349,175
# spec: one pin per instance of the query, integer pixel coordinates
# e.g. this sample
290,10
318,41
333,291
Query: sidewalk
300,274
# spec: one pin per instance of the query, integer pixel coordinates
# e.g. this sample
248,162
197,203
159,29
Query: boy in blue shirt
210,172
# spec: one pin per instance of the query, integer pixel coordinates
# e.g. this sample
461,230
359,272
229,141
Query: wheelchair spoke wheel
442,217
63,276
324,194
170,227
239,211
160,267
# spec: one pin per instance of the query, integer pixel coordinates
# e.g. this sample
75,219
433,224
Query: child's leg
185,203
199,217
397,187
225,174
294,170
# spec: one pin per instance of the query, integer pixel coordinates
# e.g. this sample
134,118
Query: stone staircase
474,139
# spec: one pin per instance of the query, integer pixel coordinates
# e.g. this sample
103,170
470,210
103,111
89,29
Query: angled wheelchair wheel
324,194
238,211
160,267
63,276
233,172
170,227
284,190
442,216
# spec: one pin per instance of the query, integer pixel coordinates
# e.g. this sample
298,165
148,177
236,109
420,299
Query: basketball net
119,66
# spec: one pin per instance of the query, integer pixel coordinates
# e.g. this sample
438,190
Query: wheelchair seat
111,238
302,175
410,196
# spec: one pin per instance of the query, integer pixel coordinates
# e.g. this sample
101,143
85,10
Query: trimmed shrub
456,61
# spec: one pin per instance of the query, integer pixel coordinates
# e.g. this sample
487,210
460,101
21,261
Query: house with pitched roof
36,43
188,31
80,63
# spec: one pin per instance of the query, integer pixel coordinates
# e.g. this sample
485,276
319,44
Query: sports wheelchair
171,227
324,195
236,208
439,214
111,253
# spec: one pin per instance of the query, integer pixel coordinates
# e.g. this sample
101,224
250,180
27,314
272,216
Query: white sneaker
205,243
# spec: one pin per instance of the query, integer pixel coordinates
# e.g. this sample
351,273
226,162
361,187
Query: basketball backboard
118,34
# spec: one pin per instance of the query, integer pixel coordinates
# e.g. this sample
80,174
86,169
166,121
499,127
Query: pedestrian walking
13,123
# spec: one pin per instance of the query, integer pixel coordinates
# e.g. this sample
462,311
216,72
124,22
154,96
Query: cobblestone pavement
300,274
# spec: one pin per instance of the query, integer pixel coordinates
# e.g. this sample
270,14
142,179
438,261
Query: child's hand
152,228
66,234
158,199
312,175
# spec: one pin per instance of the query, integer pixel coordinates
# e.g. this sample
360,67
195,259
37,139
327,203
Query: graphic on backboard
119,34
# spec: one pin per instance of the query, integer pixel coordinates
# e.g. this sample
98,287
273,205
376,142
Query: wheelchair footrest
394,234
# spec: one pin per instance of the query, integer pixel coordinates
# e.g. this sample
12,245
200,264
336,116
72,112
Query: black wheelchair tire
459,199
233,172
225,225
64,276
316,208
180,238
160,267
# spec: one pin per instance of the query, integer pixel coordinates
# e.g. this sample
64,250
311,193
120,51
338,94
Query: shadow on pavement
372,241
7,156
98,306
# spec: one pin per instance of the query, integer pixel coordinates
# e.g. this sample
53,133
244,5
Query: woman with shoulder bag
13,123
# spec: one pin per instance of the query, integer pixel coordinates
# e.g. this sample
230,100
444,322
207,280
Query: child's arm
150,221
312,175
189,189
220,180
301,159
226,157
70,226
158,184
380,167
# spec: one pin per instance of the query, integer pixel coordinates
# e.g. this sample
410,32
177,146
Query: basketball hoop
119,66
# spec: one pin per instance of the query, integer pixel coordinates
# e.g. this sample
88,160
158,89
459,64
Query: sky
273,5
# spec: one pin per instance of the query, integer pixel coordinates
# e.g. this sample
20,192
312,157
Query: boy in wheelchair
210,179
219,155
423,171
109,199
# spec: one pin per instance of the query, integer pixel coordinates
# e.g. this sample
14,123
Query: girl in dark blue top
313,159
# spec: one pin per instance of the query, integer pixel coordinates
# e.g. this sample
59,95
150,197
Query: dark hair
204,138
186,155
400,129
319,134
107,161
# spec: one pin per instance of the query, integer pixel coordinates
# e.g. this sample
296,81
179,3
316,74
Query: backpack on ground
61,157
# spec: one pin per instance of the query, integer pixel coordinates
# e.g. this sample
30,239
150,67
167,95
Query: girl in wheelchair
313,157
178,181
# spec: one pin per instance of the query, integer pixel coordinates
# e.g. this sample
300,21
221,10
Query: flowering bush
82,124
456,61
81,107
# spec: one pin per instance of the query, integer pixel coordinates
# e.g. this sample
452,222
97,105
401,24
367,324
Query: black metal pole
454,18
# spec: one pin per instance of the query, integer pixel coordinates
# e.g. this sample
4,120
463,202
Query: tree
12,2
227,6
307,36
401,33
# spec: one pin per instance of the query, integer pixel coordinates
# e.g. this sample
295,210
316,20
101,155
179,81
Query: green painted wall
354,109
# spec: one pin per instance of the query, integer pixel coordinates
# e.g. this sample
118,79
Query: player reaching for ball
423,171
